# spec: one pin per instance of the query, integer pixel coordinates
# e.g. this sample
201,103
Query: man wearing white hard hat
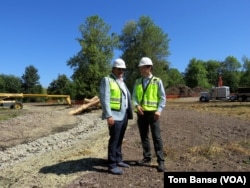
149,99
117,109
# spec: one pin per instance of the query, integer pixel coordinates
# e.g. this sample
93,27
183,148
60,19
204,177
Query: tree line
137,39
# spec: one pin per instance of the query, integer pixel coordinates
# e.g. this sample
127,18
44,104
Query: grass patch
236,109
9,113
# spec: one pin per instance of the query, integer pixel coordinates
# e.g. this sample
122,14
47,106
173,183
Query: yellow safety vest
115,94
148,97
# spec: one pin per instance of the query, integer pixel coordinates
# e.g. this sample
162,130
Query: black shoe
161,167
116,171
122,164
144,161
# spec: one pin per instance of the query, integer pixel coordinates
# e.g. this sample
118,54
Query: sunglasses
120,69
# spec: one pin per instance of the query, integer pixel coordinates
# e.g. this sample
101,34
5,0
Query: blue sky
43,33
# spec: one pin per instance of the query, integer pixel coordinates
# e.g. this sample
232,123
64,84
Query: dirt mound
184,91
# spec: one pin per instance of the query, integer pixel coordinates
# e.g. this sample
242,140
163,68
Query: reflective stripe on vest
115,95
148,98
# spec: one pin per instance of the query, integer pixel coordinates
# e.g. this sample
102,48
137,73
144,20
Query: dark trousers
144,122
116,133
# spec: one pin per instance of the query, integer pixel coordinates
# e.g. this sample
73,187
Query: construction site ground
42,146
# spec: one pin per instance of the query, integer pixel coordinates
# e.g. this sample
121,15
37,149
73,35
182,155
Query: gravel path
88,125
21,165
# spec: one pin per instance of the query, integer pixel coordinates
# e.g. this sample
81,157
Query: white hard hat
145,61
119,63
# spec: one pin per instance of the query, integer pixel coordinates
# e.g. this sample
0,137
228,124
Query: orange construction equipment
220,81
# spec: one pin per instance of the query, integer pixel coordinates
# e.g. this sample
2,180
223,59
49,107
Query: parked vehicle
216,93
13,104
242,95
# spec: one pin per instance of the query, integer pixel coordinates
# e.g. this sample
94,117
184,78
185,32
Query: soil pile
183,91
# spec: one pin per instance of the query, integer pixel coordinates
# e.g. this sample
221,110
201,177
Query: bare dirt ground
212,136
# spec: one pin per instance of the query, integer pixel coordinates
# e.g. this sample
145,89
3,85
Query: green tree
196,74
61,86
175,78
2,84
213,70
10,84
31,83
230,72
93,61
143,38
245,76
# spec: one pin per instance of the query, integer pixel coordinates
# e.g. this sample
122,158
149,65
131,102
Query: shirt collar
148,77
120,79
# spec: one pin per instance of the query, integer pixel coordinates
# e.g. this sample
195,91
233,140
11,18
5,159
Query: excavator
9,99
